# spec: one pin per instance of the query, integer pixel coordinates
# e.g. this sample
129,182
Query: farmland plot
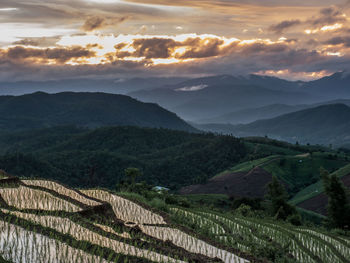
129,211
306,245
62,190
126,210
66,226
19,245
191,243
24,197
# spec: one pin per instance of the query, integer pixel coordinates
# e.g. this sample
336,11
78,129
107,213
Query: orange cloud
46,55
193,47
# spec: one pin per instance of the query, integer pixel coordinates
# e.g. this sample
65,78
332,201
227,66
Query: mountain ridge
325,124
41,109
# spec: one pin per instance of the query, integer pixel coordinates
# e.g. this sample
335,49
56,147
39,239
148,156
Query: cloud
204,48
57,55
280,27
38,41
97,22
153,48
192,88
167,47
189,48
93,23
339,40
148,42
327,16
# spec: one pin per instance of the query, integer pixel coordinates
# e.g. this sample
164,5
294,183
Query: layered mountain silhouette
326,124
209,97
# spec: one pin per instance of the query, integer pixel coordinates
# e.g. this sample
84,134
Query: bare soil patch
242,184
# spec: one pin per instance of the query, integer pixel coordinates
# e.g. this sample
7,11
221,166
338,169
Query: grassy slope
246,166
297,171
317,188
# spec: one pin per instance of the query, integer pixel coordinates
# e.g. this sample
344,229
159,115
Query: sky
292,39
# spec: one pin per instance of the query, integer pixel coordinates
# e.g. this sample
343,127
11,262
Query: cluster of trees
278,203
338,201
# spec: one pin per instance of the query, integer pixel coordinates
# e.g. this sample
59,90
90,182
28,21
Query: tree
278,196
132,173
338,202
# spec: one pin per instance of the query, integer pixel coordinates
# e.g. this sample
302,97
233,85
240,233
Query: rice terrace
175,131
44,221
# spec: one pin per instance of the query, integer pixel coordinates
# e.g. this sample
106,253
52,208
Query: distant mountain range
222,98
40,110
266,112
332,87
212,96
252,114
203,99
114,86
326,124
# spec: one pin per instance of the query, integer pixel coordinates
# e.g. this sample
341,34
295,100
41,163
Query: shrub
294,219
159,204
244,210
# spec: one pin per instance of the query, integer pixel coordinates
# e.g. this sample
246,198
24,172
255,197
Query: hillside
81,157
39,110
249,179
98,157
326,124
45,221
313,197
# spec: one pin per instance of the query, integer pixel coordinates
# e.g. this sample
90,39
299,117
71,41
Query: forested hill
82,157
39,110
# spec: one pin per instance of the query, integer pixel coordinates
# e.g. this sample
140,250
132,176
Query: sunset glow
144,35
